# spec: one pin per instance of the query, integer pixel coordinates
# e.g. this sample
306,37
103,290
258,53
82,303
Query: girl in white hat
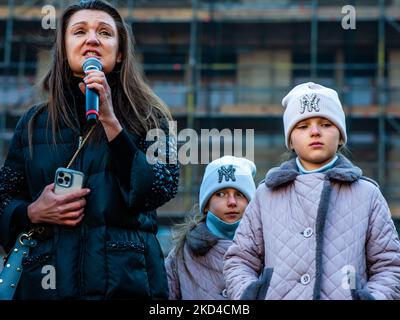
194,266
316,228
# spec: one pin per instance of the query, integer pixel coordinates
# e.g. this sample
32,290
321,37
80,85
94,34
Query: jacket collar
200,240
343,171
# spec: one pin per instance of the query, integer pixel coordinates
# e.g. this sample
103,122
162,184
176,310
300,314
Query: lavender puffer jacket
195,271
315,236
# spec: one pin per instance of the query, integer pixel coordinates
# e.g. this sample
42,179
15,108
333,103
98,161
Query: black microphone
92,96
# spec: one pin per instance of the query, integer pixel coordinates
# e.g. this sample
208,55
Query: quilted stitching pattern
202,279
357,218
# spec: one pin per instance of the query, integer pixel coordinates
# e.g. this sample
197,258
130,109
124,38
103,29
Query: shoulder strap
80,147
10,275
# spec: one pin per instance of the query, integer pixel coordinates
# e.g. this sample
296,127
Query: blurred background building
228,63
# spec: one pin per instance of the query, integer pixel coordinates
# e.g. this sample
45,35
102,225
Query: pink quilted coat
195,273
315,236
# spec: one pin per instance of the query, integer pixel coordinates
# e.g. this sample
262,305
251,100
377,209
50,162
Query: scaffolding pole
381,96
130,12
191,97
8,36
314,40
6,64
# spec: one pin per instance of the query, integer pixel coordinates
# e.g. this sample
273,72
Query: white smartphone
67,180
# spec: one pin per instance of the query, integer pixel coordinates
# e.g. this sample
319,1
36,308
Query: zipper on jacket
82,248
80,141
79,166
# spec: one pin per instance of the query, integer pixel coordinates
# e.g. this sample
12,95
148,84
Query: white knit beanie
228,172
308,100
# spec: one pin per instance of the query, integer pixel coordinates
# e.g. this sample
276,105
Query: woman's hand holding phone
66,209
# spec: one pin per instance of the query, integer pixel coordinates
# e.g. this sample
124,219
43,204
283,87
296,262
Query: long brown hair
136,106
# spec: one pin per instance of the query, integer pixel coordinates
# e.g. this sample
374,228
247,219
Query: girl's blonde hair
181,230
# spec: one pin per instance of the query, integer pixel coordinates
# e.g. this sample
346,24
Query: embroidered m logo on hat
309,103
228,173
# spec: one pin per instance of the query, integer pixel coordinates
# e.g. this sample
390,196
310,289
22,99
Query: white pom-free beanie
227,172
308,100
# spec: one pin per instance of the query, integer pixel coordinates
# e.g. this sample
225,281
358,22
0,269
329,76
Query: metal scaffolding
199,13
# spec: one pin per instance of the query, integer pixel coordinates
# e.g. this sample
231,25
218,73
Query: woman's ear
119,57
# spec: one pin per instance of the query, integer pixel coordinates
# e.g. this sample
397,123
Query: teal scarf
319,170
220,228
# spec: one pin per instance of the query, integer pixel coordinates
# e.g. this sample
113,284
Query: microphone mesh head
92,63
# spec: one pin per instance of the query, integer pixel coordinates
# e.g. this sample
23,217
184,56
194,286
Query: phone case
67,180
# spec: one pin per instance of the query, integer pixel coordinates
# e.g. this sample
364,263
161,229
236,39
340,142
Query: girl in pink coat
316,228
194,266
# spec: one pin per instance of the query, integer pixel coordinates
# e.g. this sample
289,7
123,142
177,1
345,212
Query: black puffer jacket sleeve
145,184
14,196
